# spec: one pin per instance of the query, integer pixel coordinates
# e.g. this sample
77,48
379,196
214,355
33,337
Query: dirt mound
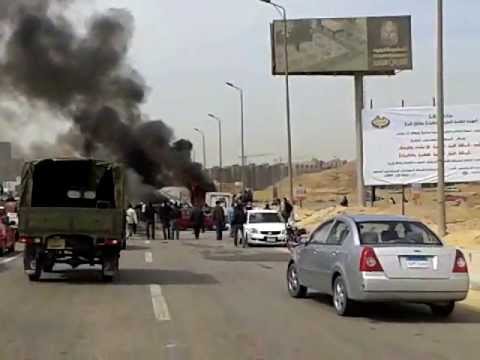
325,186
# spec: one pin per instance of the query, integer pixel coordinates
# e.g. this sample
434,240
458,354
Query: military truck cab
72,211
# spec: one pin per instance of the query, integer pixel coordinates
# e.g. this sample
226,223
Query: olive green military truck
72,211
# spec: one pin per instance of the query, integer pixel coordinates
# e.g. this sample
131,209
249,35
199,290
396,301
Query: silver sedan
378,259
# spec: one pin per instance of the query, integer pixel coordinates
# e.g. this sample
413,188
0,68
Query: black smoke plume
88,80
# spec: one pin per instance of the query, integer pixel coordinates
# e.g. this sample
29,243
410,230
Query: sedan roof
373,218
256,211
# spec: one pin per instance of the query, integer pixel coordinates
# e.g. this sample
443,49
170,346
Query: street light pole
220,149
283,11
242,130
442,221
203,147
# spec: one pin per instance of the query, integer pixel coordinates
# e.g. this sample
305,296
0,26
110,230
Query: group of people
168,214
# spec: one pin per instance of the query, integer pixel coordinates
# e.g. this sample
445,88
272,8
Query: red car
7,236
184,223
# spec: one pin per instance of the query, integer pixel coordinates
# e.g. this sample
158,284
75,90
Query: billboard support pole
442,221
359,137
403,186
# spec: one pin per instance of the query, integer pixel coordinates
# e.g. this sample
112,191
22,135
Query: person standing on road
149,216
230,212
174,216
287,209
218,216
165,219
197,219
132,220
239,219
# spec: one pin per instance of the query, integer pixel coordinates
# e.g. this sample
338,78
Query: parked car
265,227
8,235
379,259
185,223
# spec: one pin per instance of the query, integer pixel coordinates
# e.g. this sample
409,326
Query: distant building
10,168
262,176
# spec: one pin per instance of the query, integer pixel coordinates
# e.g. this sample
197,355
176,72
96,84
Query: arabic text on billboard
344,45
400,145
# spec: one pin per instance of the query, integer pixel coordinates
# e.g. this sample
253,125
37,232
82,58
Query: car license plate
56,244
272,239
417,262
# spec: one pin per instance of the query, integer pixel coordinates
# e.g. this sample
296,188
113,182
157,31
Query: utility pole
442,214
359,134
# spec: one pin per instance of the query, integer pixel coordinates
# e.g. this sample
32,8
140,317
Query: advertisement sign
400,145
343,46
300,192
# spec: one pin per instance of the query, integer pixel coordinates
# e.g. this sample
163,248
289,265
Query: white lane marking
147,242
160,307
148,257
7,260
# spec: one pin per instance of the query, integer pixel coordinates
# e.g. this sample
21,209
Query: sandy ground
326,189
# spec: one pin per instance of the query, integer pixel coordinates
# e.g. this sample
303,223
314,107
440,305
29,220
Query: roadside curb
473,260
475,283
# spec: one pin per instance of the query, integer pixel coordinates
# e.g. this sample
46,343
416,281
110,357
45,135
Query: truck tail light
27,240
369,261
111,242
460,265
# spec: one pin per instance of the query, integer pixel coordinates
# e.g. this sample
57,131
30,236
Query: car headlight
283,232
254,231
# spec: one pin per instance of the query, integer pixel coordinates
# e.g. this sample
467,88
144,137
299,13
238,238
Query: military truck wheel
48,267
109,267
32,263
48,262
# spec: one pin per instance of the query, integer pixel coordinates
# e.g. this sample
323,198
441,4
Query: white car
265,227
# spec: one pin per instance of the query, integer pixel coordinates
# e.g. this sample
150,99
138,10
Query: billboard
343,46
400,145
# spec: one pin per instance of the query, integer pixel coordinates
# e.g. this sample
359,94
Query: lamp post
283,12
240,90
220,150
203,147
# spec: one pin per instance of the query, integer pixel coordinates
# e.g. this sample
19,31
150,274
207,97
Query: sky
186,50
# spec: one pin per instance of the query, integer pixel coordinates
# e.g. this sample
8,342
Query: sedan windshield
396,233
259,218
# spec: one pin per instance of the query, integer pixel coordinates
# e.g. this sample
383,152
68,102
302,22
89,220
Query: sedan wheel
343,305
295,289
443,310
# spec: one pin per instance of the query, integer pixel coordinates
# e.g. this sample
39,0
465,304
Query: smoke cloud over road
87,79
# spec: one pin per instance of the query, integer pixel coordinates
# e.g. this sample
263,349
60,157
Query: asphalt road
205,299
